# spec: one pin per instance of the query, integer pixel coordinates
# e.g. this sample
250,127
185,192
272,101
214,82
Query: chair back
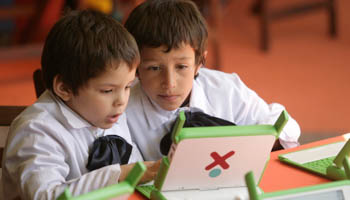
38,82
7,115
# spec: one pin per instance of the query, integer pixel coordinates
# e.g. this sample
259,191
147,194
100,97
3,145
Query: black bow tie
108,150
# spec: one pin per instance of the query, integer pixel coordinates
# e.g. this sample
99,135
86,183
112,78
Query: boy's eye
106,91
181,66
153,68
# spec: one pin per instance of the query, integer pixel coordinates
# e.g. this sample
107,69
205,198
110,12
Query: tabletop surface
280,176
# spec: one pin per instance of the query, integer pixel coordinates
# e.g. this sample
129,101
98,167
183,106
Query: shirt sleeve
135,154
290,133
38,164
252,109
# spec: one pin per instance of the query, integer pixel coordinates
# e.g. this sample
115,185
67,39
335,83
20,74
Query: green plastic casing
254,194
180,133
123,188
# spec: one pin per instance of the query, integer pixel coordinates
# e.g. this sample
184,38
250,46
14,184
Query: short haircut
82,44
155,23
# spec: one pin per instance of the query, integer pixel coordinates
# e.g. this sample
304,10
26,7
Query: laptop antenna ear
250,182
136,173
343,153
180,121
341,168
281,122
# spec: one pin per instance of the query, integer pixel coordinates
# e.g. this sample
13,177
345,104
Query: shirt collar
71,117
156,116
199,99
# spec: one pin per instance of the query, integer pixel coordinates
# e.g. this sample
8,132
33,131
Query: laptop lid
207,158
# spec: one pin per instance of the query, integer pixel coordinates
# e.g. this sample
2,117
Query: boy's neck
186,102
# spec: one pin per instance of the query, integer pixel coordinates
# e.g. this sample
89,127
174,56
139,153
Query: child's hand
125,169
152,169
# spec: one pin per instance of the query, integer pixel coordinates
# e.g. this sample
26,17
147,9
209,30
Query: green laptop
337,190
119,191
330,160
210,162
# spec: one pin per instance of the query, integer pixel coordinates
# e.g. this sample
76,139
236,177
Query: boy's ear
200,65
197,69
205,54
61,89
137,73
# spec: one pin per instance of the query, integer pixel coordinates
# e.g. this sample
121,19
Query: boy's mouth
113,118
169,97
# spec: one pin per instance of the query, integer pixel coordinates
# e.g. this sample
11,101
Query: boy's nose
120,100
169,80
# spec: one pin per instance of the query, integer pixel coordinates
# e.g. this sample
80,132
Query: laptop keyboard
320,165
146,190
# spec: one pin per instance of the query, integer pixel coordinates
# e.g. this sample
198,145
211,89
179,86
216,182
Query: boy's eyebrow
115,85
147,59
183,58
176,58
107,84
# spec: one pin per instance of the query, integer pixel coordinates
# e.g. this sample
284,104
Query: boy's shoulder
217,79
218,87
43,112
211,74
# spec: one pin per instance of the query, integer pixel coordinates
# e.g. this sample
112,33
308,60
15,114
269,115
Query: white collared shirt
215,93
47,151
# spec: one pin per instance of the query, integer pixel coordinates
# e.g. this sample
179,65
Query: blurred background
294,52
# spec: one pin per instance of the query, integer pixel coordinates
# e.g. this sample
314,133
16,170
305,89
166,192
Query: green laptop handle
281,121
180,121
253,192
344,152
136,174
341,165
111,191
162,172
346,165
339,173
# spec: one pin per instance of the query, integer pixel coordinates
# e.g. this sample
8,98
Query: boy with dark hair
172,37
75,135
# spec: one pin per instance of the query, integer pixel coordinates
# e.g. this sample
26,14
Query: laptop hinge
220,188
209,188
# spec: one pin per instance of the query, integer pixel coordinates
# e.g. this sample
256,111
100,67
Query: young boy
172,37
88,63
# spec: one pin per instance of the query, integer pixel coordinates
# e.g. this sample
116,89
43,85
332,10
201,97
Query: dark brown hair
169,22
82,44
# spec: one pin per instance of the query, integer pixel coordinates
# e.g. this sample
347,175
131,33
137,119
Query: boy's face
104,98
167,78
